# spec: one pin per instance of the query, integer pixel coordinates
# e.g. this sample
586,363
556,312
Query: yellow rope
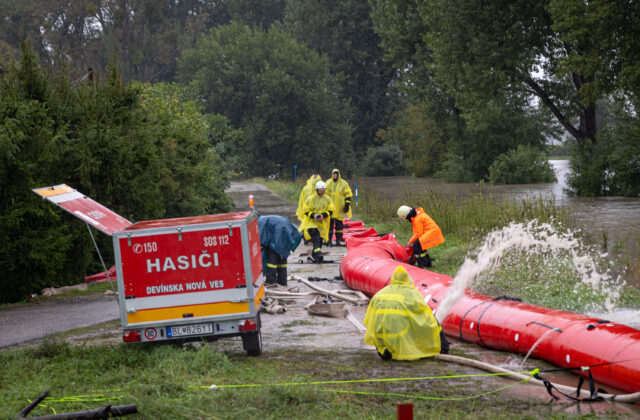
422,397
355,381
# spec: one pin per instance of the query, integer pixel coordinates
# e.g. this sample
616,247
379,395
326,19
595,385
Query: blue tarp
279,234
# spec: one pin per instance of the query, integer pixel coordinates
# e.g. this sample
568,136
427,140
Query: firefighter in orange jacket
426,233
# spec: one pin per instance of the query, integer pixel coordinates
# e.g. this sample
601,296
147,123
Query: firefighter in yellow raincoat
340,192
305,194
400,324
315,226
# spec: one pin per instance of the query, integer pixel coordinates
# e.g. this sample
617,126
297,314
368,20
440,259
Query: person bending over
315,226
400,324
426,233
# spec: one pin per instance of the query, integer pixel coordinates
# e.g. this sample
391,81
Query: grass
547,280
165,381
290,191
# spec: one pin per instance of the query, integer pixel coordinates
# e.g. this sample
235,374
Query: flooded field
617,217
611,223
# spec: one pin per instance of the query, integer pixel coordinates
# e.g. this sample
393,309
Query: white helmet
320,185
403,211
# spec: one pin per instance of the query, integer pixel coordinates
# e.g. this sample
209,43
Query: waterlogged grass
550,281
165,382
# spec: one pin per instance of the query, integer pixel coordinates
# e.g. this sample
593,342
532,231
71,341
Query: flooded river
617,217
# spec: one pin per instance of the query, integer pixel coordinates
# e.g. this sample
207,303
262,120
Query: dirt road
296,328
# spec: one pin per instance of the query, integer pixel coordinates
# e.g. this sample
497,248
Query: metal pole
405,411
100,255
356,193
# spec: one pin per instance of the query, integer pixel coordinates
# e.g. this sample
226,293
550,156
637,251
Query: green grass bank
173,382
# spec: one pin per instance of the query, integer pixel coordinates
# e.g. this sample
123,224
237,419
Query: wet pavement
296,328
26,322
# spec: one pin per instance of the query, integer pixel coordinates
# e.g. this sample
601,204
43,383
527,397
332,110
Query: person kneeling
400,324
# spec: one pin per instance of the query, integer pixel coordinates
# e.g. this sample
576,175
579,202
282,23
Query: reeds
468,216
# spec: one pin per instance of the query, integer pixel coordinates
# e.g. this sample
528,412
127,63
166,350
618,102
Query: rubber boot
317,256
424,262
444,344
282,275
386,355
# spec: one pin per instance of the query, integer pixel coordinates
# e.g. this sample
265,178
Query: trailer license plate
193,329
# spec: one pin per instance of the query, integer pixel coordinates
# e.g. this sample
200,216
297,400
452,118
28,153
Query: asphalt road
22,323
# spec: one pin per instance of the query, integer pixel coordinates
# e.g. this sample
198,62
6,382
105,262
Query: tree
343,30
483,49
423,139
278,92
135,149
144,37
256,13
567,54
502,126
613,166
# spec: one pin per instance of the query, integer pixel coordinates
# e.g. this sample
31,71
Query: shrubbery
137,150
383,161
522,165
610,165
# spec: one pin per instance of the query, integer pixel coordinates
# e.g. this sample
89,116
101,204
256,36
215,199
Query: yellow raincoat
399,320
316,204
305,194
339,191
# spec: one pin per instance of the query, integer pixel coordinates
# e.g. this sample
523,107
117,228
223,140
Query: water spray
533,237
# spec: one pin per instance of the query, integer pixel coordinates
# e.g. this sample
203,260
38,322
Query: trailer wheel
252,341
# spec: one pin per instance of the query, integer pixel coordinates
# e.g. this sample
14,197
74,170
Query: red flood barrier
566,339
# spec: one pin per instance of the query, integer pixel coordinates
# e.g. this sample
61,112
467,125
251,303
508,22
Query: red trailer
180,278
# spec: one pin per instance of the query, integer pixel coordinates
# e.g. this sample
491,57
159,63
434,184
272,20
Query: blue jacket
279,234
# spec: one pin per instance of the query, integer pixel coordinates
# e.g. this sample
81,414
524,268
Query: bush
136,150
610,165
522,165
383,161
456,170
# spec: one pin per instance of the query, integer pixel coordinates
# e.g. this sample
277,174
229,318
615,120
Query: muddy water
617,218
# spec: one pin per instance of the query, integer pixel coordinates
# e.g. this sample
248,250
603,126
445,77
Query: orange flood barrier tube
566,339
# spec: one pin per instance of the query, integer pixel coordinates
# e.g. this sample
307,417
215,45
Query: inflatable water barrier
610,351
